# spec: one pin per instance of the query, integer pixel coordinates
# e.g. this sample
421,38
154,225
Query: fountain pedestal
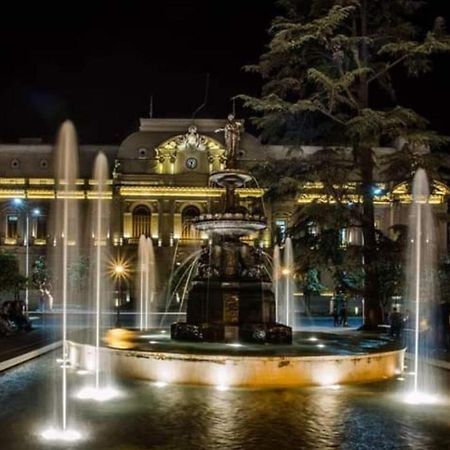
231,297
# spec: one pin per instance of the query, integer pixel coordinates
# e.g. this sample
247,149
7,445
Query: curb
432,362
5,365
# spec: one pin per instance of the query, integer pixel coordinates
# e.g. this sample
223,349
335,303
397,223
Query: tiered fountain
232,335
231,298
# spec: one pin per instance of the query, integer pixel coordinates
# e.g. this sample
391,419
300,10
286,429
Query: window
41,227
142,153
141,221
15,164
187,217
12,226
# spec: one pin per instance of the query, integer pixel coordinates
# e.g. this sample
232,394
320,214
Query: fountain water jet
101,228
66,252
289,313
421,270
276,272
150,284
142,279
101,290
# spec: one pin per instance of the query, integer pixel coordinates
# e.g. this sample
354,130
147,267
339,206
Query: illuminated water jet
66,435
98,394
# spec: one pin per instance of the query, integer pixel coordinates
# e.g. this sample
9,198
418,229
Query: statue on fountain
232,135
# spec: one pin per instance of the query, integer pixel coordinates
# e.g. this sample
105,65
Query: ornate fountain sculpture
230,298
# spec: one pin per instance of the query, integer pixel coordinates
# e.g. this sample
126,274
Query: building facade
158,184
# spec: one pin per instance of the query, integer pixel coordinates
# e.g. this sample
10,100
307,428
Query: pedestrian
335,316
396,321
343,313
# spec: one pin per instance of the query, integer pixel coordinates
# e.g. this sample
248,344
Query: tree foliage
10,278
328,75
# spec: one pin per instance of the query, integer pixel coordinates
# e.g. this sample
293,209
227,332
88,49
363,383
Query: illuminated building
159,183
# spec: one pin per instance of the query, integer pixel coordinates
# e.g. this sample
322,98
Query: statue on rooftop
232,135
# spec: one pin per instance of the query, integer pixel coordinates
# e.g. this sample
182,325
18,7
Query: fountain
420,288
66,253
231,298
237,330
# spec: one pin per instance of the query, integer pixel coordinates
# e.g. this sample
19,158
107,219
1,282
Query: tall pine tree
328,79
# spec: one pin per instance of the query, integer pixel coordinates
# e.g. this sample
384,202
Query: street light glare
17,201
119,269
36,211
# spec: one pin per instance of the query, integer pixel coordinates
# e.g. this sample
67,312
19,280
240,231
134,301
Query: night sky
99,63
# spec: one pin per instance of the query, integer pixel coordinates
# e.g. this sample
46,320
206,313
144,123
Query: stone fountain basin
232,226
314,359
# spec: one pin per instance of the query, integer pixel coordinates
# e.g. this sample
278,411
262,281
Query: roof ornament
191,140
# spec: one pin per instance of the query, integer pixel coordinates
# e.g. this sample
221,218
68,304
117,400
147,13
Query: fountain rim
214,357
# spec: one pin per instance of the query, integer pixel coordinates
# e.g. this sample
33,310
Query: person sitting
6,326
17,315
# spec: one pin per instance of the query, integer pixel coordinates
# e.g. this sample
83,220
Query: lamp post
119,271
21,204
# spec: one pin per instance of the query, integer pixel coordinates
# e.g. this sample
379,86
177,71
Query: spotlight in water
420,398
236,344
321,345
222,387
334,387
82,372
55,434
98,394
152,342
163,331
313,339
400,379
160,384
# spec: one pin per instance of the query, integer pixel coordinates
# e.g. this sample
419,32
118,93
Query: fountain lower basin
318,359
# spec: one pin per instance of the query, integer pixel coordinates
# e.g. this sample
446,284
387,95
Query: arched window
141,221
187,217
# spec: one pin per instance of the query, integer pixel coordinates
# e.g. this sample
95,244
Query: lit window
188,229
41,227
12,228
141,221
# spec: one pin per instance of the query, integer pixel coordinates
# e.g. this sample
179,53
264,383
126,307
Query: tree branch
387,68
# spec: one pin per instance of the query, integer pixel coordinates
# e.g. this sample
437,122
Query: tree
10,278
40,277
329,68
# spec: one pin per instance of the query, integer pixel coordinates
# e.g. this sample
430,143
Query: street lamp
119,273
21,204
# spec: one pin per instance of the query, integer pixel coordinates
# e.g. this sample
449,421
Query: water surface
189,417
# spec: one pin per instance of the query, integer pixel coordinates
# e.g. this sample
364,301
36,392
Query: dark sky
98,63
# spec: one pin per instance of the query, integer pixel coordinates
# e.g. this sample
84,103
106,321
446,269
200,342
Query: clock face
191,163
